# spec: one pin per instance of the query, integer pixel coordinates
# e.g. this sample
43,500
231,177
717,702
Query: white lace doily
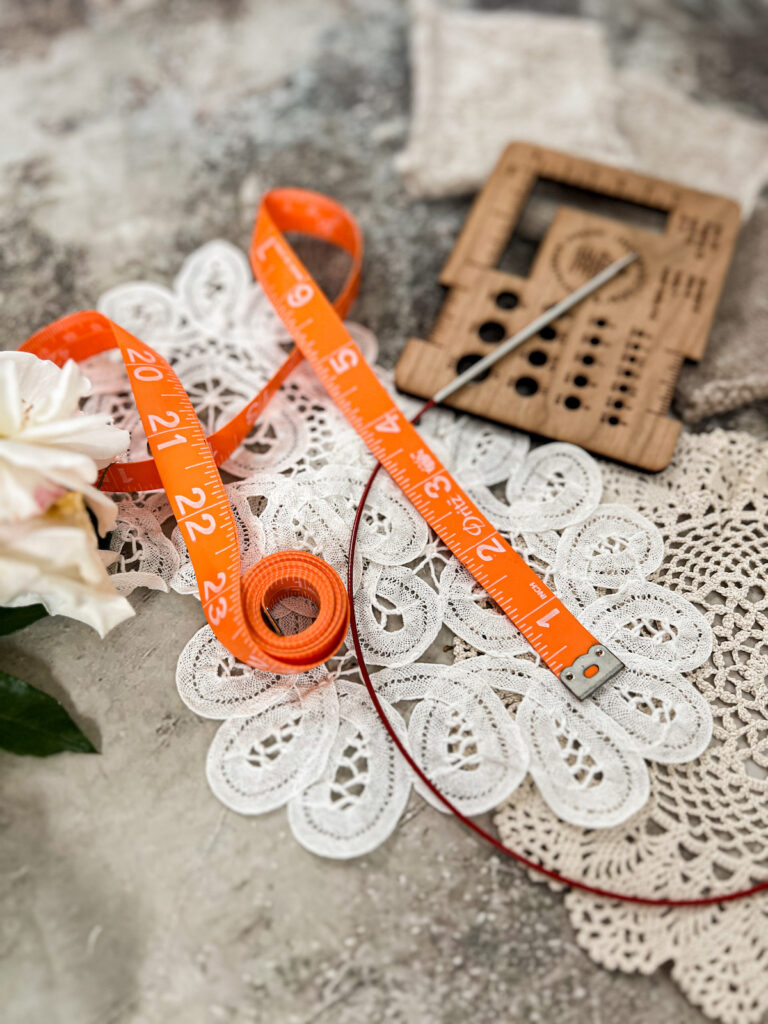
705,825
313,743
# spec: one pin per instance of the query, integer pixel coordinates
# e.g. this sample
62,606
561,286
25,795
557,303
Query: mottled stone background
130,133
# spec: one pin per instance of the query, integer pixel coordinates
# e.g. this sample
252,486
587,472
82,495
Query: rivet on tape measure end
589,671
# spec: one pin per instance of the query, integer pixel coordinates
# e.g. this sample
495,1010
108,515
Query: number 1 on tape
563,643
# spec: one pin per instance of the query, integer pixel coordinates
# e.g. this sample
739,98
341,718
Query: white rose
54,559
47,446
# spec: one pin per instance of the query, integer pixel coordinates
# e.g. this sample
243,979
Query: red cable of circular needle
573,883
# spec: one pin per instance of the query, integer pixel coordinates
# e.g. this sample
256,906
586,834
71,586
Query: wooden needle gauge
602,375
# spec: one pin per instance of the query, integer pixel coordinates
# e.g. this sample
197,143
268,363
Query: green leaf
12,619
33,723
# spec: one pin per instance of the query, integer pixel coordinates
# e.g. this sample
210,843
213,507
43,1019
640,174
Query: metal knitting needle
536,325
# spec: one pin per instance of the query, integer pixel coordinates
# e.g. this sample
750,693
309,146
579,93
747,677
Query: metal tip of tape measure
589,671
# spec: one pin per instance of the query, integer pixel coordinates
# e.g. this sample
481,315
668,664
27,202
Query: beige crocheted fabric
705,826
734,371
482,79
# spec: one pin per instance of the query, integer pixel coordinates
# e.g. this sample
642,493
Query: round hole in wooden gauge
526,386
491,331
613,420
548,333
572,402
594,340
537,357
464,363
581,381
600,322
507,300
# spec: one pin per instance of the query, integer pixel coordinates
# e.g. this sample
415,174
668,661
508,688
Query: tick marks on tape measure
444,505
547,599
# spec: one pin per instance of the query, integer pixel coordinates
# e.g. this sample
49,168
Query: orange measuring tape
185,462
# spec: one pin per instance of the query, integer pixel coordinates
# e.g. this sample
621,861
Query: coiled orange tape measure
184,464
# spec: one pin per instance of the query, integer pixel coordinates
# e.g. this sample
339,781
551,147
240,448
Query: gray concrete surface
131,132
